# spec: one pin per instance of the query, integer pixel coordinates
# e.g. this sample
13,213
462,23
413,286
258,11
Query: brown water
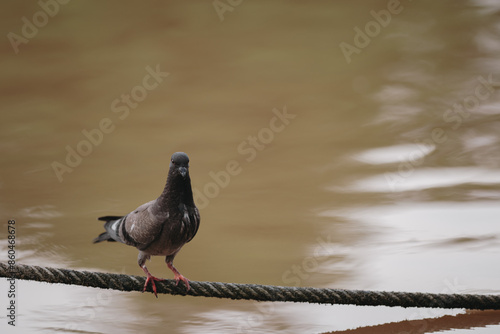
380,172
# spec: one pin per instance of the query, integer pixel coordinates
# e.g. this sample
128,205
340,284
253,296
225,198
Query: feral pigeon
162,226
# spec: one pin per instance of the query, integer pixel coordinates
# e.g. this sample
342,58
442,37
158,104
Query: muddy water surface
329,146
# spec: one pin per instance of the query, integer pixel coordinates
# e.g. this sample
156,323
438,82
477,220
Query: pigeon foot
177,276
152,279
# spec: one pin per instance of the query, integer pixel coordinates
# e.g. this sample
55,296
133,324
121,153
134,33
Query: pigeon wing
141,227
190,223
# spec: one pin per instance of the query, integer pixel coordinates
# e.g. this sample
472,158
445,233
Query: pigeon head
179,163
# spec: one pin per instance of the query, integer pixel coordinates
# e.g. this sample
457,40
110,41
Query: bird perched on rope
162,226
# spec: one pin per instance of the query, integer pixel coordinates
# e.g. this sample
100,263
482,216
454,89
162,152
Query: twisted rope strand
252,291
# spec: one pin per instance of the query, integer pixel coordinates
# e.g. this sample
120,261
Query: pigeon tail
109,218
103,237
112,226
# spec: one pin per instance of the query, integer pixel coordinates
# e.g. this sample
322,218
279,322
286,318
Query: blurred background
366,136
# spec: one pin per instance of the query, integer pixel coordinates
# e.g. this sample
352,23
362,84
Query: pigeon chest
177,230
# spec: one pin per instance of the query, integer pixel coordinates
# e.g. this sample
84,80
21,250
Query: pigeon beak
183,171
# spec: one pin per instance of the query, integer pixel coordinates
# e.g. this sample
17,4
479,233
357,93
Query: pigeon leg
151,279
177,275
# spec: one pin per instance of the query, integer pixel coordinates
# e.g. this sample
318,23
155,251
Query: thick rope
252,291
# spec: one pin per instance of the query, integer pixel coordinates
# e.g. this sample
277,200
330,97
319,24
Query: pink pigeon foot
177,276
151,279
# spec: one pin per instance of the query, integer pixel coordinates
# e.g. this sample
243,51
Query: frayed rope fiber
252,291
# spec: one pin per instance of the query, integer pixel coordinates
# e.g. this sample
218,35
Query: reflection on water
430,243
387,178
395,153
470,319
410,179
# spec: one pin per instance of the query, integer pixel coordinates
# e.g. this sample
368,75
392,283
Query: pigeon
162,226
